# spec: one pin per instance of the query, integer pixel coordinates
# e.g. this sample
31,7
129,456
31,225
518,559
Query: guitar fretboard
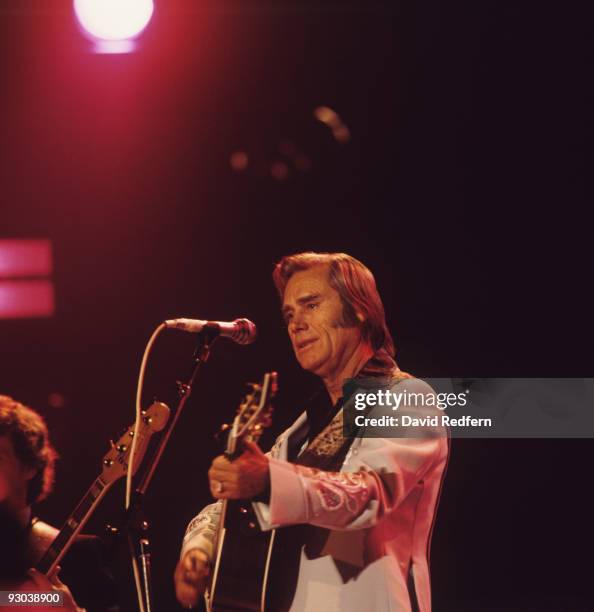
71,527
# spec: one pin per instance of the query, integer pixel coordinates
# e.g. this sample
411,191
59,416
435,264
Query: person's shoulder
404,381
399,381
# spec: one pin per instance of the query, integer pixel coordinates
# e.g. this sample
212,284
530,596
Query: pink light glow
20,258
26,299
115,20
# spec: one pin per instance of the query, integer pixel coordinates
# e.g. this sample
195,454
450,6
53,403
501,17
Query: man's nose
297,323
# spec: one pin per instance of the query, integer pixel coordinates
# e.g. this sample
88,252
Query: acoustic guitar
241,567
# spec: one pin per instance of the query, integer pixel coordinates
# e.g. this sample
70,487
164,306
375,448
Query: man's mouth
304,344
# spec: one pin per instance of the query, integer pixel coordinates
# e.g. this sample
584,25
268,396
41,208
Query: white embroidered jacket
379,509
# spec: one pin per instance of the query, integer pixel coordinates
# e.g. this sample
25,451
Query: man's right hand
190,577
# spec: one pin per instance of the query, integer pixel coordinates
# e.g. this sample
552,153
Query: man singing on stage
353,517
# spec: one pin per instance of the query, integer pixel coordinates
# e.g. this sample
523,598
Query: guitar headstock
254,414
115,462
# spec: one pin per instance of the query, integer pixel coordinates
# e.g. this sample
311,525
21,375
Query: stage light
26,291
113,23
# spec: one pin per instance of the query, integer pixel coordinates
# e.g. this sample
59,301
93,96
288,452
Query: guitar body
241,568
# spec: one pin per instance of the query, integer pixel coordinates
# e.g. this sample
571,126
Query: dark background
463,188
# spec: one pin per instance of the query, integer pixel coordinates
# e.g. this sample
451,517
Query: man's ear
360,317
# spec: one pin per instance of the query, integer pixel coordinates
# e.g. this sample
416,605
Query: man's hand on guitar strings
190,577
243,478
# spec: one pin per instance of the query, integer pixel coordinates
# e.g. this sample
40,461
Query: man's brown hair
30,439
355,285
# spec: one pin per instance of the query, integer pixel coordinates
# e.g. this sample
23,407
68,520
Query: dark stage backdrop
460,187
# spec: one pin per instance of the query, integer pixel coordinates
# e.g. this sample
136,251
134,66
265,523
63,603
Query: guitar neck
72,526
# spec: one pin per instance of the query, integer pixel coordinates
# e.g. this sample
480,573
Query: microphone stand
134,522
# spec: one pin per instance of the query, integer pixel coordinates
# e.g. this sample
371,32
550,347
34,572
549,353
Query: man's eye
312,305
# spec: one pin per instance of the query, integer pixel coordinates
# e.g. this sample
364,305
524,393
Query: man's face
313,312
14,477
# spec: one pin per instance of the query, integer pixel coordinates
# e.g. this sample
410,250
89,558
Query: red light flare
20,258
23,296
24,299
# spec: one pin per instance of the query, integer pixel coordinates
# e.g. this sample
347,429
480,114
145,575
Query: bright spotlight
113,21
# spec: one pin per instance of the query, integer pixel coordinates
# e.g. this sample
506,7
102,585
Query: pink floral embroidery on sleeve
338,489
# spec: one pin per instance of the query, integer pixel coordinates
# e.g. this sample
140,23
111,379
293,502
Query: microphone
242,331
